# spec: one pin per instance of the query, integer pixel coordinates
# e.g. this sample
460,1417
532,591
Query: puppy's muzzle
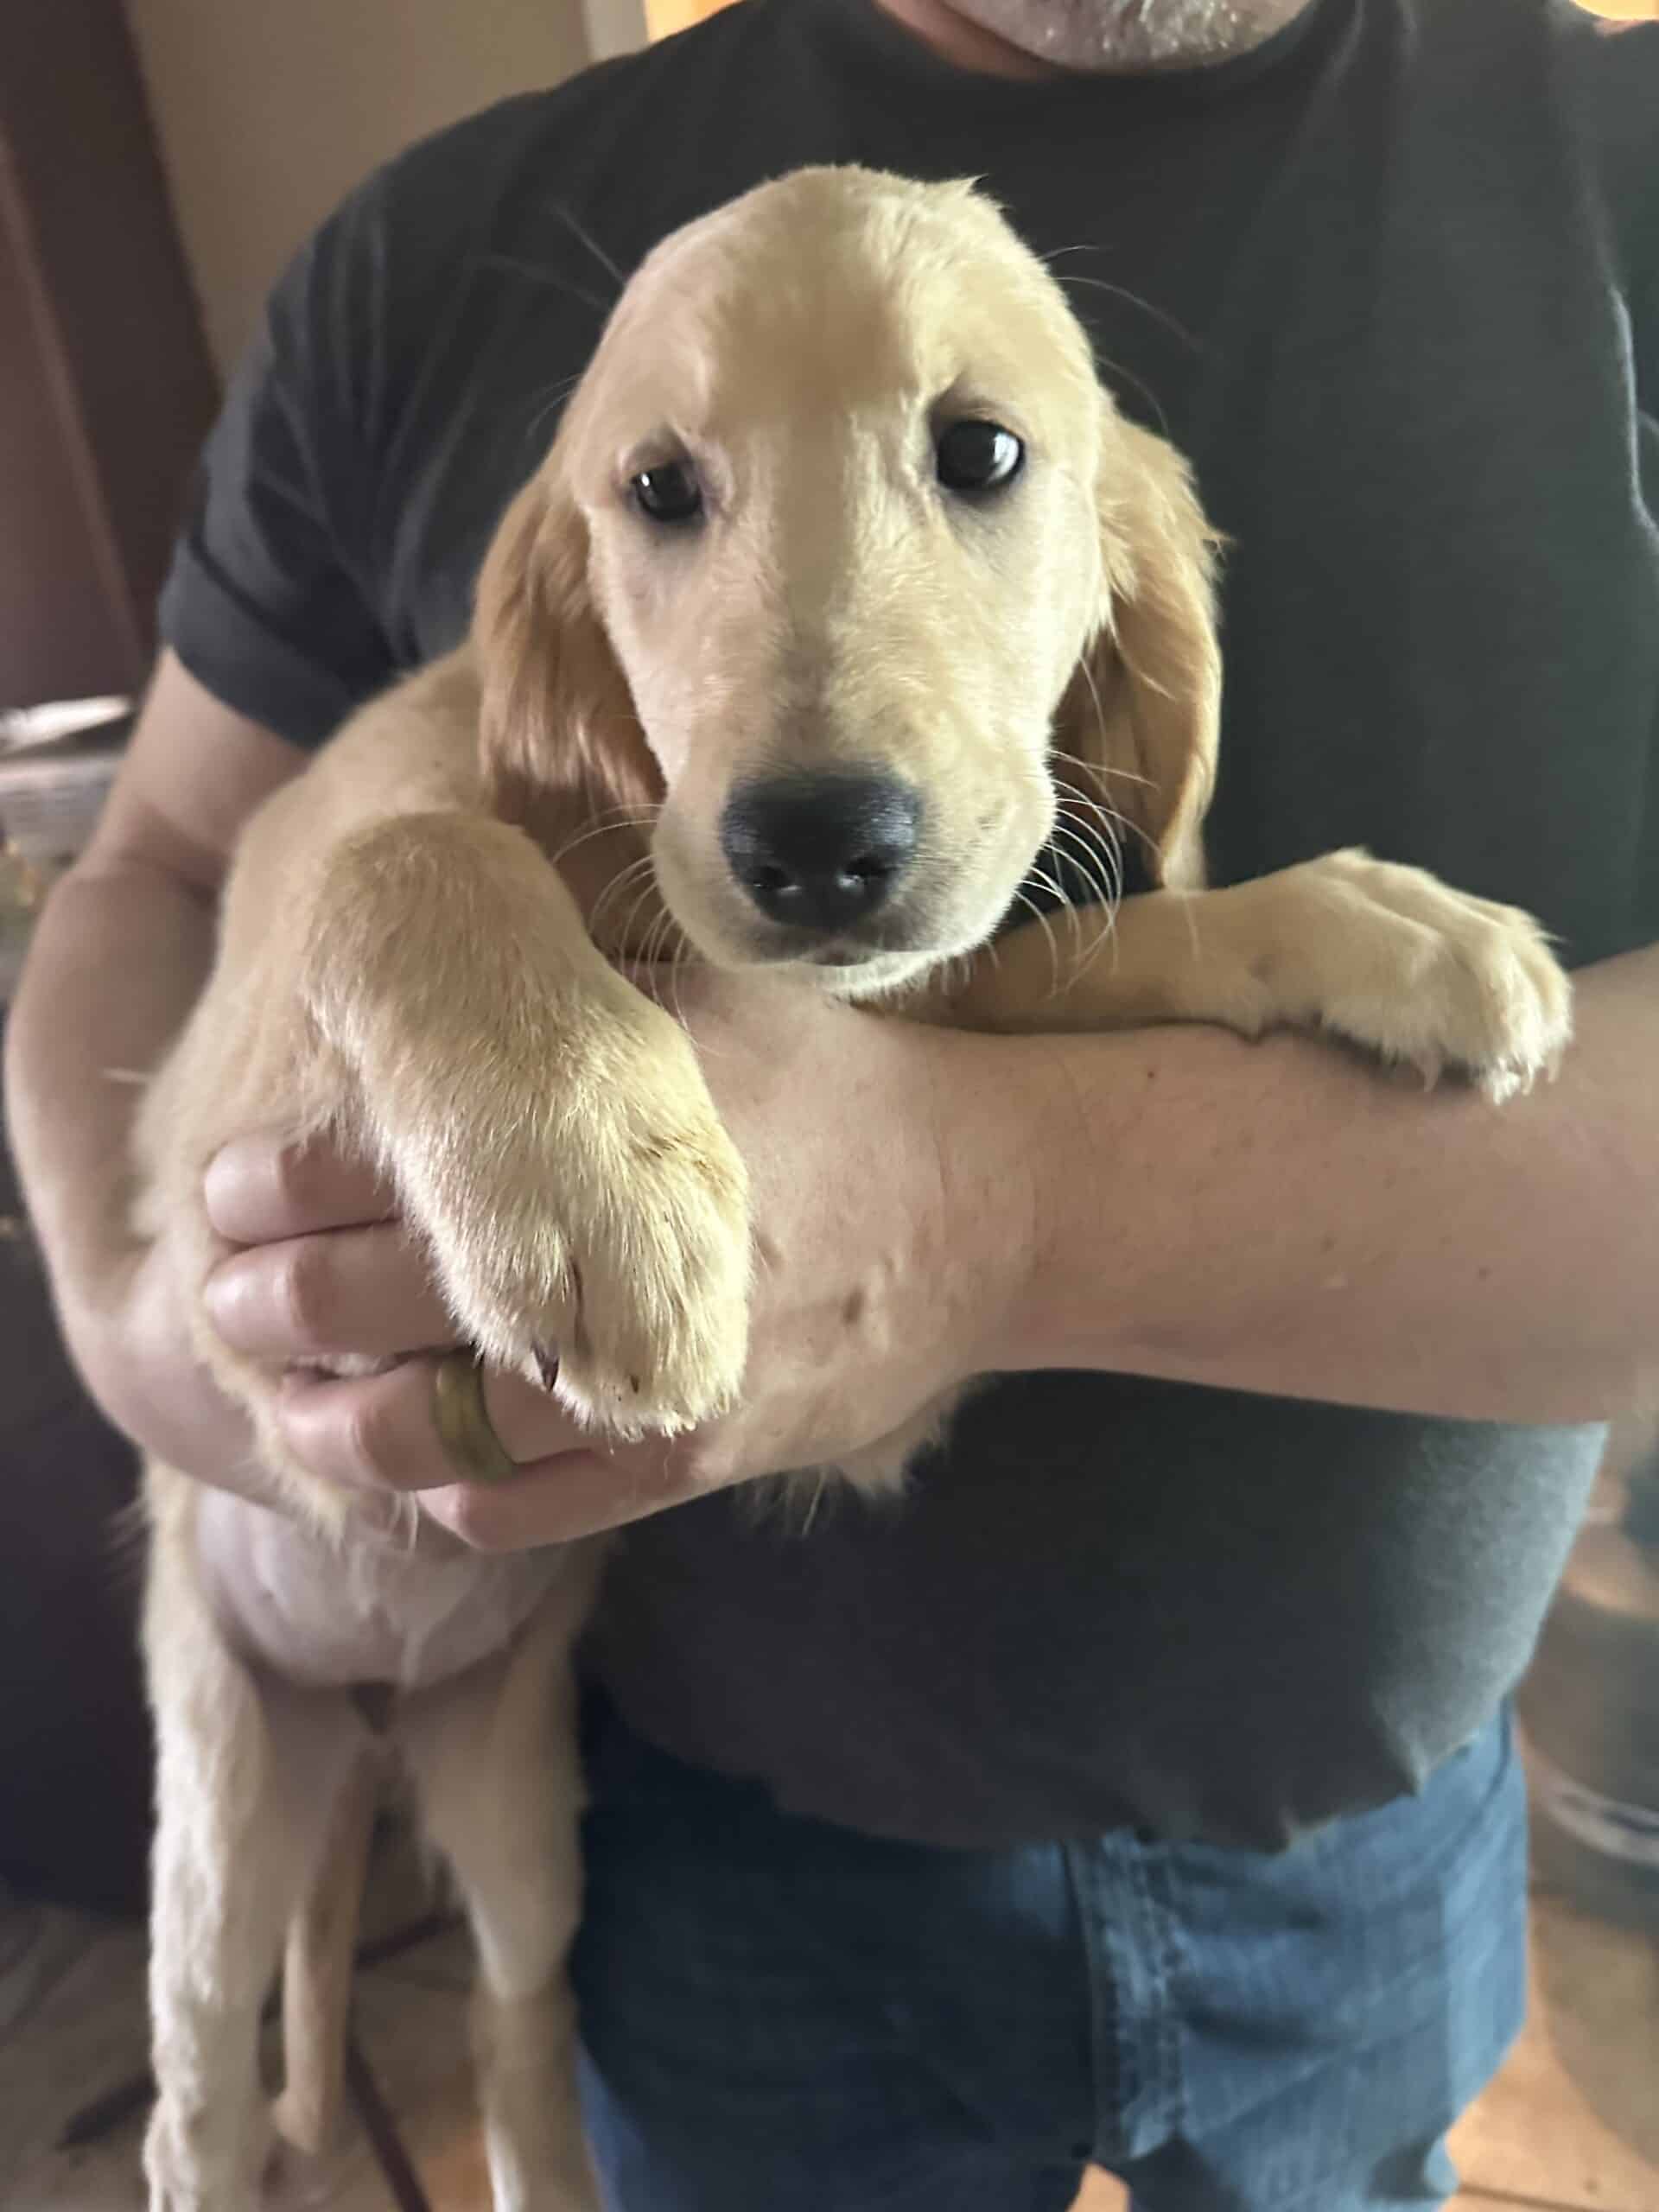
822,854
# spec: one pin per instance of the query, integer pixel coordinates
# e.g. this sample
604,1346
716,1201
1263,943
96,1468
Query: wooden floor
1572,2123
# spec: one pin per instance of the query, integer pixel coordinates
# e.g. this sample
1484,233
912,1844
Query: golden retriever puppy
841,567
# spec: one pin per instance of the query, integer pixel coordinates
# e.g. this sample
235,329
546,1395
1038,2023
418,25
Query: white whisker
1102,768
554,398
513,266
1092,833
1150,841
1021,898
584,236
613,817
1171,323
637,876
1063,904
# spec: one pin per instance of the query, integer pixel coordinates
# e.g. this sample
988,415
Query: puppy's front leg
249,1771
547,1128
1385,956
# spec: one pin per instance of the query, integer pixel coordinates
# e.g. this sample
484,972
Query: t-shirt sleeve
1620,77
270,600
1647,433
1642,252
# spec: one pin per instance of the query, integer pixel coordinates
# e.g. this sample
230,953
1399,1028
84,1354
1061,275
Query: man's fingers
261,1192
378,1431
353,1292
555,1501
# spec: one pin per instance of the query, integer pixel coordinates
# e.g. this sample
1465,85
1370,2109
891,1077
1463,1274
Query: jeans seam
1105,2035
1162,1922
1159,2087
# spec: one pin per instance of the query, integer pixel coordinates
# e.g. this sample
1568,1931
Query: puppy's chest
327,1615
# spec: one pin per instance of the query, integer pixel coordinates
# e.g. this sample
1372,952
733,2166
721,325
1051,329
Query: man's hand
893,1220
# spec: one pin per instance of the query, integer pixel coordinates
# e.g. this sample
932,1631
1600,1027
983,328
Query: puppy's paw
1432,977
593,1235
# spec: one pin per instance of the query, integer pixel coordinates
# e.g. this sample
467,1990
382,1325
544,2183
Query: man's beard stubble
1109,36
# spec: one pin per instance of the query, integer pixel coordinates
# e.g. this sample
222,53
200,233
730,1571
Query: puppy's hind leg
248,1772
494,1759
318,1965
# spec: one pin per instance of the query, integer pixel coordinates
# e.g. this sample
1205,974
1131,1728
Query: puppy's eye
669,493
974,456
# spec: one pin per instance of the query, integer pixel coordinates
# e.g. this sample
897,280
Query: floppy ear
1144,707
561,741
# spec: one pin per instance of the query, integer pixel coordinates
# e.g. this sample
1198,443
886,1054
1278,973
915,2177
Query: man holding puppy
1140,1791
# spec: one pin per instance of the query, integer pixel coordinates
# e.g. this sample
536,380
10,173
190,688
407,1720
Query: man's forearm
119,957
1273,1217
1279,1218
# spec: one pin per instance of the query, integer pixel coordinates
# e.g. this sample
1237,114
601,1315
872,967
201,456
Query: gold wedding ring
469,1437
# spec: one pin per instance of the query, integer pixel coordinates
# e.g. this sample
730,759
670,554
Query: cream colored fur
400,964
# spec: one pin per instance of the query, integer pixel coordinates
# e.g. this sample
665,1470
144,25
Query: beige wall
664,18
268,111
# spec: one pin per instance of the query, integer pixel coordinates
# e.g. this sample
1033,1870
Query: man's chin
1024,38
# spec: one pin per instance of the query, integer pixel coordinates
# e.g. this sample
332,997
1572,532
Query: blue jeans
781,2016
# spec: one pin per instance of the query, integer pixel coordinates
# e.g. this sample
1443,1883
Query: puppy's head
840,553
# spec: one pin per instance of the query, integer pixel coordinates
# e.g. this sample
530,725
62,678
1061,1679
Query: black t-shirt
1393,282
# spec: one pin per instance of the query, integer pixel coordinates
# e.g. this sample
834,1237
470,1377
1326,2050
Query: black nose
820,852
